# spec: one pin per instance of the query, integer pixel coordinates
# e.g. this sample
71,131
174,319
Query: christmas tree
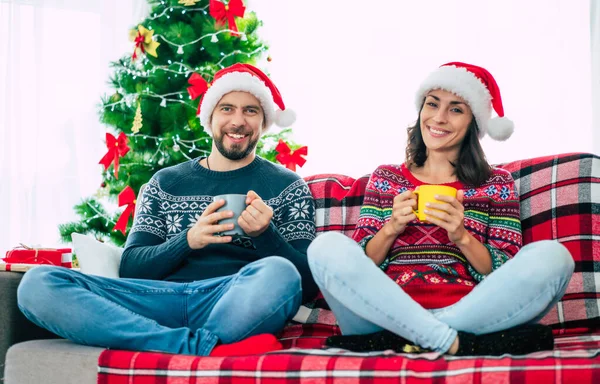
152,115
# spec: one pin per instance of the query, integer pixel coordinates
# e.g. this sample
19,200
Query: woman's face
445,119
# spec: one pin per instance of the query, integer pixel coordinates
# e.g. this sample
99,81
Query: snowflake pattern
402,189
491,190
144,205
470,193
174,223
504,192
194,219
300,209
382,186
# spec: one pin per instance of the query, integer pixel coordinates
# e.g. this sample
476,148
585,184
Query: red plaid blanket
560,199
576,359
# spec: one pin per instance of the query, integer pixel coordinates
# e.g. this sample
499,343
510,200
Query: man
183,288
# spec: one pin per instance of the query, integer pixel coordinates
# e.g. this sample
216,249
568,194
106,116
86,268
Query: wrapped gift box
61,257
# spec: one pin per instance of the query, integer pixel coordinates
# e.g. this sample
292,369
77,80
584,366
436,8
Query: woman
459,282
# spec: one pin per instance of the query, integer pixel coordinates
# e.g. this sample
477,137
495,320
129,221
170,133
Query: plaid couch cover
560,199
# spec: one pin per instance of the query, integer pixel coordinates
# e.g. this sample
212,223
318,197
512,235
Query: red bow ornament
198,87
222,12
290,158
117,147
126,197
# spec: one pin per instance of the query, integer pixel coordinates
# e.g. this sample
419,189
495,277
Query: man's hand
203,232
256,217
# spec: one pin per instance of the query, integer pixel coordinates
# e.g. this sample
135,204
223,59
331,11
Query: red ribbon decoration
222,12
126,197
198,87
116,148
288,158
139,43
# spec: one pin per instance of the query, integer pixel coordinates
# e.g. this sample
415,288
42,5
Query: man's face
237,123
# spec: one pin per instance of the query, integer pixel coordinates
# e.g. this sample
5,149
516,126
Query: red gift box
51,256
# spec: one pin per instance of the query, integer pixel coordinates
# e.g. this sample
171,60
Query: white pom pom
285,118
500,128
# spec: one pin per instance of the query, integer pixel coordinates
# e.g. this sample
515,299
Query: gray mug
236,203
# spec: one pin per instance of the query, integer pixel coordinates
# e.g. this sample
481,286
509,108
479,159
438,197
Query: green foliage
190,41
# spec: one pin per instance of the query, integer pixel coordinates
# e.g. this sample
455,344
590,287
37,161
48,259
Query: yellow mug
426,195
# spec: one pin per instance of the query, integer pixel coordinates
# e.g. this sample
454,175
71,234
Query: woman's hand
450,215
402,212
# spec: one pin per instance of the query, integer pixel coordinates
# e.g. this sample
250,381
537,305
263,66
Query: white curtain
54,67
595,45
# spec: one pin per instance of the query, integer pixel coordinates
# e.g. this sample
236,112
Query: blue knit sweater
174,199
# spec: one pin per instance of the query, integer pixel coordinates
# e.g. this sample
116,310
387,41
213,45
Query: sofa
560,199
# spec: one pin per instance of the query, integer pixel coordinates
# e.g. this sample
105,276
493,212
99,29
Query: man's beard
236,151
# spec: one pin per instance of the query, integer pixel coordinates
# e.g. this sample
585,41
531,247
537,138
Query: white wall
350,71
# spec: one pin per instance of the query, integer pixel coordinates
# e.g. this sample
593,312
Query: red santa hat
478,88
240,77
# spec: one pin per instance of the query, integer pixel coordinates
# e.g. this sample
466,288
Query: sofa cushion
560,199
96,258
14,326
51,361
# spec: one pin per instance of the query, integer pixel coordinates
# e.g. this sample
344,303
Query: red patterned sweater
422,260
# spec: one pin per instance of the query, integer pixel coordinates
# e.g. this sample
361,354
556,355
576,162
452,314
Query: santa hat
240,77
478,88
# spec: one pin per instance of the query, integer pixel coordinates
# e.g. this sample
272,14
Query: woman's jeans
365,300
150,315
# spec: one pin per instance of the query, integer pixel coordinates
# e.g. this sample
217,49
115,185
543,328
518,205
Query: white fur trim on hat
236,81
464,84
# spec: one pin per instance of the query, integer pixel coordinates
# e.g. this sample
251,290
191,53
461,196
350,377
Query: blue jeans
150,315
365,300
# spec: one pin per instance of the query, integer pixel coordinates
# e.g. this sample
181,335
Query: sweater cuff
269,241
363,244
498,259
